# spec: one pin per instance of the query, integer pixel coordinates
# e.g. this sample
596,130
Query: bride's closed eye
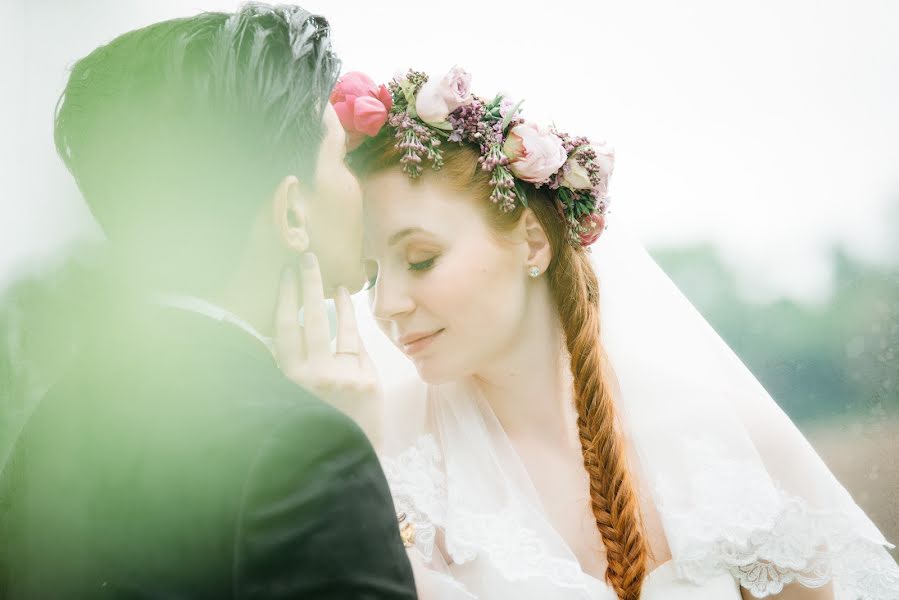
423,265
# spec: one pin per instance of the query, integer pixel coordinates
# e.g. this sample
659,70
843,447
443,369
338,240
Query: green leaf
511,114
445,126
519,189
410,102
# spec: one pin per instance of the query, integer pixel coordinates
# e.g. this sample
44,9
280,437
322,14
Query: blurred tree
818,362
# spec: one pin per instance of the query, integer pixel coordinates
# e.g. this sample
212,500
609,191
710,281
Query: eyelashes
423,265
371,270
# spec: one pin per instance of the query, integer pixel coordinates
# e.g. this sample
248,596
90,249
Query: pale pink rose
535,152
438,98
605,160
595,224
578,178
361,105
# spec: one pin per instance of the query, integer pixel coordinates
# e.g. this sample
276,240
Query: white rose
536,153
438,98
576,176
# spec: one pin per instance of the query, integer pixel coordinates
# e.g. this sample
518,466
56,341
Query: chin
435,372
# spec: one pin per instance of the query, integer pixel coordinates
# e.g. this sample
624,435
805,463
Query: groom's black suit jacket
173,460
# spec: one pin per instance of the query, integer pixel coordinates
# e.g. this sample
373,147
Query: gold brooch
407,530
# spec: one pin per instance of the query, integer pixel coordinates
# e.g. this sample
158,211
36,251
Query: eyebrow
396,237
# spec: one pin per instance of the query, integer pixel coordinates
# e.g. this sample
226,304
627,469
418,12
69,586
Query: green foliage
819,362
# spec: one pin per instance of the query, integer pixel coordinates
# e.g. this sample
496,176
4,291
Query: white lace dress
476,527
500,555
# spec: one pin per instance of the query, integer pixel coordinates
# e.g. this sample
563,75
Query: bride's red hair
575,290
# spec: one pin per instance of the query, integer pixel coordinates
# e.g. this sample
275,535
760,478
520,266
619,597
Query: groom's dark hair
176,133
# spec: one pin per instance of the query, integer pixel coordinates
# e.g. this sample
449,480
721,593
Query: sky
768,129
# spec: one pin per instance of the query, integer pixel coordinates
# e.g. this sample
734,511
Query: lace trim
767,538
517,551
418,487
804,546
800,545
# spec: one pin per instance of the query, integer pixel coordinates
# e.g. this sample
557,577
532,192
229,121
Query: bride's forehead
396,199
387,181
384,227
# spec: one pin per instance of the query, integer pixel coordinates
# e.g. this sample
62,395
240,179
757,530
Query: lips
415,342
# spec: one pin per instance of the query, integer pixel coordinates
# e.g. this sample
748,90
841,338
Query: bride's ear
290,214
539,249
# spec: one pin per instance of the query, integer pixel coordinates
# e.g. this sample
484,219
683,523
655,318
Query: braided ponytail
612,495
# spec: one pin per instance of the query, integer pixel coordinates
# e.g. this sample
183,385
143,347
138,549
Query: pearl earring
534,271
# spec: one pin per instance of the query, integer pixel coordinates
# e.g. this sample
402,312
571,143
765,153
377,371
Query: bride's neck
529,387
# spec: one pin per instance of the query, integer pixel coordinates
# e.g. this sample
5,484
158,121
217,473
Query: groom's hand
345,377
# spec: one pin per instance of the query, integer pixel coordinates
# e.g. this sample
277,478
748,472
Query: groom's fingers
315,317
370,374
288,333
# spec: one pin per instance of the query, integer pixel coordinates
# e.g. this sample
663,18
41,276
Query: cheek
344,210
349,198
478,295
335,229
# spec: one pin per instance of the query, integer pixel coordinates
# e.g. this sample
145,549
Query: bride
575,428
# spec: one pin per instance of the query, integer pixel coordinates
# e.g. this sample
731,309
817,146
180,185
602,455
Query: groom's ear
290,214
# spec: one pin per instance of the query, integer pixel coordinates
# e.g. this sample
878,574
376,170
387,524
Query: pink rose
536,153
605,160
361,105
438,98
594,225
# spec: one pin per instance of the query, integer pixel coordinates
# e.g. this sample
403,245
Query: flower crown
424,113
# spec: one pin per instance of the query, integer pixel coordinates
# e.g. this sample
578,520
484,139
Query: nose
390,297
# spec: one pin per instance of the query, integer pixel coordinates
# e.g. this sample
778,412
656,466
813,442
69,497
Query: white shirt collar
213,311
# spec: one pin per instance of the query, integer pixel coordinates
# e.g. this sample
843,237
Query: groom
172,459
